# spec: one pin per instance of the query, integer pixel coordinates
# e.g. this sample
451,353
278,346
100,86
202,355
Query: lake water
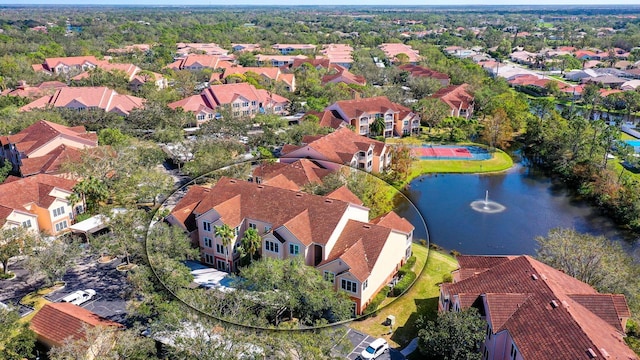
534,205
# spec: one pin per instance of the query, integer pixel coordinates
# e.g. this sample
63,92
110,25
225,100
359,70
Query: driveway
360,342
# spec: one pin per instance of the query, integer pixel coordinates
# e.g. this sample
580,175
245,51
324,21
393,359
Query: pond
533,204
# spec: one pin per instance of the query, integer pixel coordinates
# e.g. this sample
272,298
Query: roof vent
592,354
565,304
534,276
298,194
260,187
366,226
604,353
543,277
233,181
554,304
329,201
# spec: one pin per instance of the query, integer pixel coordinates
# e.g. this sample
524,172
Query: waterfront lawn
421,299
500,161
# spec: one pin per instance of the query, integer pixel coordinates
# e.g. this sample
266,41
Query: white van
79,297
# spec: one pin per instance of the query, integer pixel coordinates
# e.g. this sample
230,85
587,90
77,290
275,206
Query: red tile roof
42,132
217,95
547,313
20,192
205,61
343,193
344,76
56,322
50,63
421,71
328,118
301,172
88,97
456,96
379,104
339,146
45,88
394,221
359,246
50,163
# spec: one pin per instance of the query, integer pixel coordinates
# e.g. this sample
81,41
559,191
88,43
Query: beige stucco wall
389,261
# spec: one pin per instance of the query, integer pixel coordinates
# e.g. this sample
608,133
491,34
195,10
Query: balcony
364,121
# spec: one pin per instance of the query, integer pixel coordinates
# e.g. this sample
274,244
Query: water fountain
486,206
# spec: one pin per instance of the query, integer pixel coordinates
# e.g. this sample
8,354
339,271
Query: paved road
360,342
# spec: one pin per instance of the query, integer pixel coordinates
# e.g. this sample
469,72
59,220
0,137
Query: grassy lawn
499,162
421,299
35,300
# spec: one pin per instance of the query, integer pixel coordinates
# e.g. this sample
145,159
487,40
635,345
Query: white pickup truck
79,297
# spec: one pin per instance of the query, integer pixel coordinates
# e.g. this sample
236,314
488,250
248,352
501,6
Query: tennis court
450,152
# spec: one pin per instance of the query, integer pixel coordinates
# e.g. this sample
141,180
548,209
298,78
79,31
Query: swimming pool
634,143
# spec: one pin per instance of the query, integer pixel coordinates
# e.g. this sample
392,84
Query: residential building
242,99
399,120
342,75
458,98
577,75
65,65
334,235
41,147
318,63
196,62
605,80
268,73
133,74
286,49
38,203
534,311
185,49
341,147
245,47
392,50
292,176
424,72
277,60
338,54
34,92
57,323
84,98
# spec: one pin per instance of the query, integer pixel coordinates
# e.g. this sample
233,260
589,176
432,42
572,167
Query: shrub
423,242
447,278
435,247
455,253
404,283
410,262
9,275
377,300
406,268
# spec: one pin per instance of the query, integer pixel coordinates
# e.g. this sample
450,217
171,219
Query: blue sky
324,2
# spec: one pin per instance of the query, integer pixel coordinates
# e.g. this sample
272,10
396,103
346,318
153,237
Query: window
61,225
206,226
221,249
210,116
236,230
246,112
272,246
294,249
365,284
514,352
59,211
207,242
405,123
254,103
208,259
201,117
236,105
349,285
329,276
26,224
245,104
253,226
278,108
236,113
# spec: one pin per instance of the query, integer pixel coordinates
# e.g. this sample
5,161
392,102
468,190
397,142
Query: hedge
406,268
404,283
377,300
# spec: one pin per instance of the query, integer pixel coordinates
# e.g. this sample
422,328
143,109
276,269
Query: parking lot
360,342
110,285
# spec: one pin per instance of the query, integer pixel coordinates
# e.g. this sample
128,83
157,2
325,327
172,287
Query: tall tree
251,243
226,235
432,111
455,335
13,242
17,340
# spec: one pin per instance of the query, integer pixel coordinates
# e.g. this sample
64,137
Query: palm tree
251,242
377,126
226,235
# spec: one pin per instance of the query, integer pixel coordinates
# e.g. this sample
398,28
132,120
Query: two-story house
534,311
362,113
418,71
458,98
195,62
38,203
330,233
277,60
65,65
286,49
85,98
341,147
41,147
241,99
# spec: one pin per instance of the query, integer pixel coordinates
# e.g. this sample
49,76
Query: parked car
79,297
375,349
